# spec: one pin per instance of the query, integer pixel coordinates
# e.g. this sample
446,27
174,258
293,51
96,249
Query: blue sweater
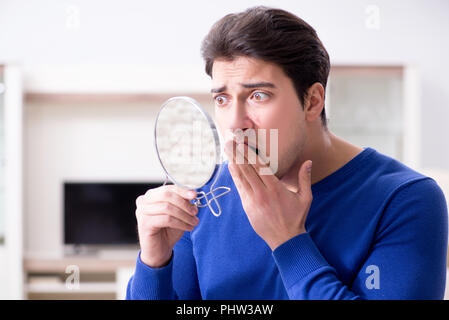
376,230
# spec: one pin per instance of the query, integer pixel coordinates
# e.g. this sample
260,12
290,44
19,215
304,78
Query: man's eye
220,100
260,96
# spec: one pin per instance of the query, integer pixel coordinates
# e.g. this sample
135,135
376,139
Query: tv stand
81,250
102,251
100,276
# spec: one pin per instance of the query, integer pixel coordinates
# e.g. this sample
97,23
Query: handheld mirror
189,149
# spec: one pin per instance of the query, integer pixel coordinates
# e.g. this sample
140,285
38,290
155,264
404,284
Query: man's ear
314,102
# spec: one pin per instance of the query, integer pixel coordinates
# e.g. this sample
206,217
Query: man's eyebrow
218,90
247,86
258,85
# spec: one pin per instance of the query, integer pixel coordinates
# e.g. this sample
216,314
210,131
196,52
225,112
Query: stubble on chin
290,160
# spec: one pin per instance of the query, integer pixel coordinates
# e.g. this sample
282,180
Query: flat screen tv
102,213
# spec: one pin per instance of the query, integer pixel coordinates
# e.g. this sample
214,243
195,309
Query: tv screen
102,213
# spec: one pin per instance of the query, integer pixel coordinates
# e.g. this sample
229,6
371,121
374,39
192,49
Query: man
333,221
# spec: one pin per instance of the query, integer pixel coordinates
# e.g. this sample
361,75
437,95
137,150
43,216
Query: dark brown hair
275,36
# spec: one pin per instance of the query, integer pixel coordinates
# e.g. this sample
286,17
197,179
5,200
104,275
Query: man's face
253,94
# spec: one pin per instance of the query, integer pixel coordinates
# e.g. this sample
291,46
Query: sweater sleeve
407,259
177,280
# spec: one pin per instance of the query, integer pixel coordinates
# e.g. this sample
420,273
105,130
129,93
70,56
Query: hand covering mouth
255,149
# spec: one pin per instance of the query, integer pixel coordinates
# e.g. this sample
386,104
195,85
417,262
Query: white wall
165,36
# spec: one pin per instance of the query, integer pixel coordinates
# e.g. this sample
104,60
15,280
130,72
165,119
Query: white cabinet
11,271
378,107
78,277
2,159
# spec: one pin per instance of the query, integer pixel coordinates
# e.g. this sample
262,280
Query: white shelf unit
64,127
99,278
61,288
11,248
379,107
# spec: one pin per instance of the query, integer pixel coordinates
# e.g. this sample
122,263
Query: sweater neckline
342,173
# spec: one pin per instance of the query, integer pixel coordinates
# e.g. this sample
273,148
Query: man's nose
239,118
